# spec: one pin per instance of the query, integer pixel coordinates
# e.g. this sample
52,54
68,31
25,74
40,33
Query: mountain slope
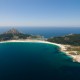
13,34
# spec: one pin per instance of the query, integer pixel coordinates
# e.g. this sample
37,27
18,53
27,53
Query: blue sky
40,13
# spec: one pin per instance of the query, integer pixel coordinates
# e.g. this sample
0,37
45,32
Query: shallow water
36,61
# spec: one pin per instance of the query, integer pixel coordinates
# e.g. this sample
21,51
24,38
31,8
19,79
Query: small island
70,44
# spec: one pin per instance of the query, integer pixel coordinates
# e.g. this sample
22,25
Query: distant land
14,34
47,32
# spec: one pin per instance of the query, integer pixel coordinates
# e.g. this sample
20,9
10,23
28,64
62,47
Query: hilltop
14,34
12,31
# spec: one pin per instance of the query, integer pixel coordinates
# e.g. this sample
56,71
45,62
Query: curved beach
40,41
62,47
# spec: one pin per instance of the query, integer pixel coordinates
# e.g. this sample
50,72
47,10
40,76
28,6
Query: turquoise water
36,61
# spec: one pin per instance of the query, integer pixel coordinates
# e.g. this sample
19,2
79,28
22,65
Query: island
69,44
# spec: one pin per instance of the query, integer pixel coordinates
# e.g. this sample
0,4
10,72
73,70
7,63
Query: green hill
13,34
72,39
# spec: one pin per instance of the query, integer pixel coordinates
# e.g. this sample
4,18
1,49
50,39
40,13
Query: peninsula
69,44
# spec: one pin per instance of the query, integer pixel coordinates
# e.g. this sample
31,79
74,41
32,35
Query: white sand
39,41
35,41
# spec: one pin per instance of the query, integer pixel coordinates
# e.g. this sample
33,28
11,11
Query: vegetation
73,39
14,34
73,49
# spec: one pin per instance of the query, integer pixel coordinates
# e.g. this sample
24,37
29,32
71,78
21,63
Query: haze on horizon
40,13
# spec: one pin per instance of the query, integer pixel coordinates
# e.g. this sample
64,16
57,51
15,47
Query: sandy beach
76,58
39,41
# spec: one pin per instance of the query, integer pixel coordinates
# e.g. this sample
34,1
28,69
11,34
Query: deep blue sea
37,61
45,31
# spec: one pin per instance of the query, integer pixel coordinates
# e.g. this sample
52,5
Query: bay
36,61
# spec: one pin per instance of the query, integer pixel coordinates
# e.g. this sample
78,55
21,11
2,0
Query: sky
40,13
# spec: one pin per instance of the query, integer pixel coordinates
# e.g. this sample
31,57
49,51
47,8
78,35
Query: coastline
61,46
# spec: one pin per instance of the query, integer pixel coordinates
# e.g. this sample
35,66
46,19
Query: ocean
36,61
47,32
